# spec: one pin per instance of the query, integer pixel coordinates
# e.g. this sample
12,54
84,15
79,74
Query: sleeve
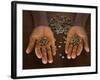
81,19
39,18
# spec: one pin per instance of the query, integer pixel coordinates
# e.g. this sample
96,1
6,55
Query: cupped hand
73,48
43,41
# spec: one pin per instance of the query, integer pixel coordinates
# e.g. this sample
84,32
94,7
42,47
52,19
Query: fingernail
50,61
39,57
87,49
44,62
68,57
73,57
78,54
66,52
27,51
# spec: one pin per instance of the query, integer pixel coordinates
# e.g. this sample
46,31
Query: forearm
40,18
81,19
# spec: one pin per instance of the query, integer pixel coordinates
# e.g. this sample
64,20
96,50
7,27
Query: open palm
71,50
46,49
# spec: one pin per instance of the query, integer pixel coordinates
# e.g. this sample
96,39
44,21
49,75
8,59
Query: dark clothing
41,18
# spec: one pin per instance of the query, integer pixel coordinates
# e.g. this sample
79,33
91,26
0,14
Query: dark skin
46,53
73,51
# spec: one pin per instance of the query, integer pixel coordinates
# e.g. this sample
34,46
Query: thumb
86,46
83,35
30,46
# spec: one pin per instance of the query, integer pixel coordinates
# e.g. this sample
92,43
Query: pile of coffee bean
43,41
60,24
75,40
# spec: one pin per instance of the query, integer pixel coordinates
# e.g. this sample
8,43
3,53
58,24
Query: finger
38,52
74,52
66,47
30,46
68,42
44,56
69,51
86,46
80,48
50,57
53,49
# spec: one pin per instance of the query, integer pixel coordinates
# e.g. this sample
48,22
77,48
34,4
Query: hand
42,39
73,50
